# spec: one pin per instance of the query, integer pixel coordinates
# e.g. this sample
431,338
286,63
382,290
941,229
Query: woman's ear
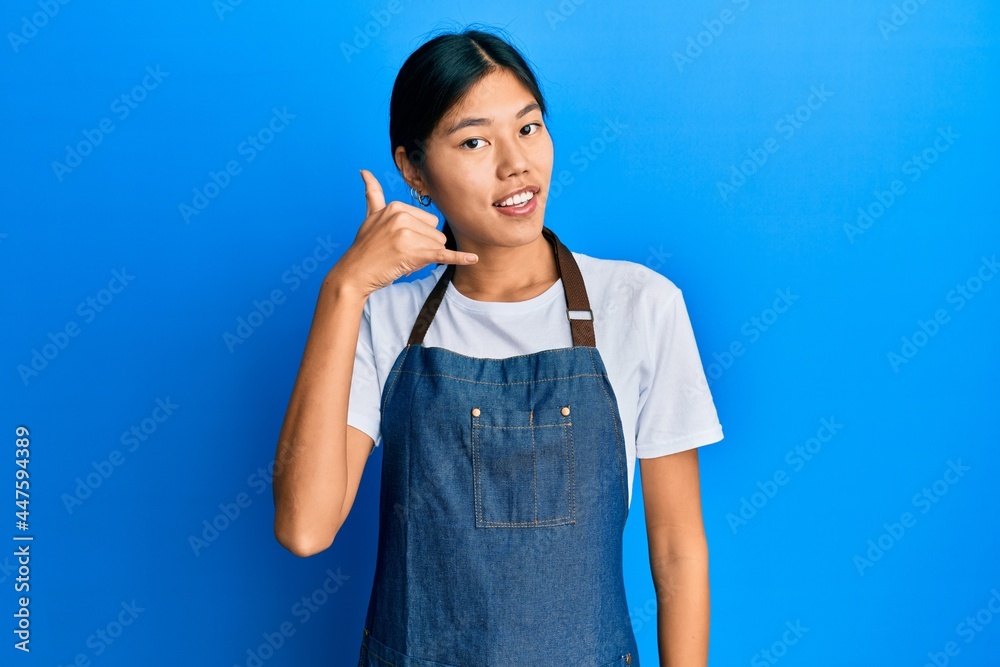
411,173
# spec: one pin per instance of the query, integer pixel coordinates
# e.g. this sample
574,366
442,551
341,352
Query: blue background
653,106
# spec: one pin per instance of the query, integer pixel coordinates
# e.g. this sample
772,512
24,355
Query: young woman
513,389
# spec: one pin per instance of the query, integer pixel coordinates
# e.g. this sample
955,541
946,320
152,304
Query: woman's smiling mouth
517,199
519,204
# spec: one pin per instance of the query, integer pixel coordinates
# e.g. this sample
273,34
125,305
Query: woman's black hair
436,76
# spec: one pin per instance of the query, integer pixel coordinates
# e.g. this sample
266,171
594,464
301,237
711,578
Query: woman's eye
475,142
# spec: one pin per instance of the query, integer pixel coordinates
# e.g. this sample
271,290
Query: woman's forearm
682,595
310,474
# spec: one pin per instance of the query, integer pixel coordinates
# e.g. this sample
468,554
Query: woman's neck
508,274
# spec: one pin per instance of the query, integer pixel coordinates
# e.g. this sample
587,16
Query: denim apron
504,495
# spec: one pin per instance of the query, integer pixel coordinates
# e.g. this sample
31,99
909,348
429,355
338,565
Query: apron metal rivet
475,412
565,411
628,658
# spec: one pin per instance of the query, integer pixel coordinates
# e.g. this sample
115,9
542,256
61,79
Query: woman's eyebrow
469,122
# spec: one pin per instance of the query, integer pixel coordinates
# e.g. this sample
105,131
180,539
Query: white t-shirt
643,333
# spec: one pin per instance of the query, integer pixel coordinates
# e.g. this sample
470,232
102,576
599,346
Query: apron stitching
535,426
367,653
559,521
381,659
615,429
476,470
396,377
497,384
571,457
534,464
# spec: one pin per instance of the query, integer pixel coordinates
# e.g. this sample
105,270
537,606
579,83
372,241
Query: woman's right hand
394,240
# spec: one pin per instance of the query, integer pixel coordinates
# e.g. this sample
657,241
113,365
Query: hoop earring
420,198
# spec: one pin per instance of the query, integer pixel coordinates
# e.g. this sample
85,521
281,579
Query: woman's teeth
517,200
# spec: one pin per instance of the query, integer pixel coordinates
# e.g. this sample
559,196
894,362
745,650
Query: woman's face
490,146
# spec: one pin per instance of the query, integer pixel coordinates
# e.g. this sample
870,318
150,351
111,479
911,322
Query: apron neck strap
578,312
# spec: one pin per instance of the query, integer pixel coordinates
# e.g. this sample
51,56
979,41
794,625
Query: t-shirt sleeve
363,409
676,410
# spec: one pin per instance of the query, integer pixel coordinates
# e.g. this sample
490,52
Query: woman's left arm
678,557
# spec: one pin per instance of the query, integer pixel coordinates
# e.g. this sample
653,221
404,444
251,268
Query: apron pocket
523,466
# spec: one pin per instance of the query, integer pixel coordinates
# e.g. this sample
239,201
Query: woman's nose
512,159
